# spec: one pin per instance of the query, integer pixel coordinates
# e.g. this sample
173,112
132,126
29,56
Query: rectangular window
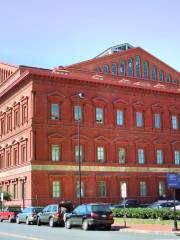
16,156
78,153
177,157
54,111
139,119
141,159
9,123
143,189
8,159
120,117
157,120
159,156
122,155
99,115
56,189
15,191
174,122
102,189
123,189
77,113
24,113
100,153
16,119
2,126
24,153
55,153
78,189
162,189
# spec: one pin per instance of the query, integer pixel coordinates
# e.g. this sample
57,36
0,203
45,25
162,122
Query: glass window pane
174,122
120,117
161,76
77,112
138,67
153,72
157,120
122,155
122,68
106,69
54,111
78,189
55,151
139,121
78,153
99,115
146,70
143,189
100,153
130,67
159,156
177,157
162,190
114,69
56,189
102,189
141,159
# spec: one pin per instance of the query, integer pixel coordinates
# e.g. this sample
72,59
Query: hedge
145,213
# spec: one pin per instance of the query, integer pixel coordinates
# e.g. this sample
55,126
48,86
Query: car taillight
94,215
56,214
111,215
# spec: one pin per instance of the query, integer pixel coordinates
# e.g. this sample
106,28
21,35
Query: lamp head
81,95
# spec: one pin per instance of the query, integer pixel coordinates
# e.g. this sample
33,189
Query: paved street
13,231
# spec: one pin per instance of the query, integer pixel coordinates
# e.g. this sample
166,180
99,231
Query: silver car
28,215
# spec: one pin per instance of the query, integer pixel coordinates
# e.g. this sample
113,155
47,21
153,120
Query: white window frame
143,189
100,153
174,121
141,156
56,189
139,119
120,117
77,153
157,120
159,156
55,152
55,114
77,112
176,157
122,155
99,115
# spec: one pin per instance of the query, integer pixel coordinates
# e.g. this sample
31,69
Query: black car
89,215
54,214
28,215
163,204
128,203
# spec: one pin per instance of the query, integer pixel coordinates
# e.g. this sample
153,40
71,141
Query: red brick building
129,129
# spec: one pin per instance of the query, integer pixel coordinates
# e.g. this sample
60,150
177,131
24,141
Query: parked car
10,213
89,215
28,215
128,203
163,204
53,214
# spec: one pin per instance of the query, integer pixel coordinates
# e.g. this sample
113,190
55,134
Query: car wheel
51,222
38,221
67,224
85,225
17,220
27,221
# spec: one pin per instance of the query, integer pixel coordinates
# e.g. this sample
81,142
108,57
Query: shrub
145,213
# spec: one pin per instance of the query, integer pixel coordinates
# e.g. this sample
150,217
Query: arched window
106,68
146,70
161,76
153,72
138,66
130,67
98,69
168,78
122,68
114,69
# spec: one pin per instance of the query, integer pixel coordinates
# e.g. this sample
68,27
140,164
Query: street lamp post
80,96
23,179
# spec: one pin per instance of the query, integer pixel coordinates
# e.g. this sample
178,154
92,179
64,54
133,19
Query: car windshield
37,210
100,208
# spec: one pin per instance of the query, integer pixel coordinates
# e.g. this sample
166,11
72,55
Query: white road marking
19,236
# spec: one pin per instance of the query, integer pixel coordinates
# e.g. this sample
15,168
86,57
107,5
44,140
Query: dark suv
53,214
128,203
87,215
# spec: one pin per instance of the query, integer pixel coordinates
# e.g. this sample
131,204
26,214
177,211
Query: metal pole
175,221
23,193
79,160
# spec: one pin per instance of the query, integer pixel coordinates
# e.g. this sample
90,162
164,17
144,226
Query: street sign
173,180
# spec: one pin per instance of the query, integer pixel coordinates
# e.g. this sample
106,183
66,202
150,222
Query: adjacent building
125,130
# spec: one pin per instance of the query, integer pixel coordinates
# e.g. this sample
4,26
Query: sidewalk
148,228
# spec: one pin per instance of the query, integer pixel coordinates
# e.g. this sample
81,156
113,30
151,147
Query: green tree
7,196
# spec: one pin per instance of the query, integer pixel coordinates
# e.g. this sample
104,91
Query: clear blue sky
47,33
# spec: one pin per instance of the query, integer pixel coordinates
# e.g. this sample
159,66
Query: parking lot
13,231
